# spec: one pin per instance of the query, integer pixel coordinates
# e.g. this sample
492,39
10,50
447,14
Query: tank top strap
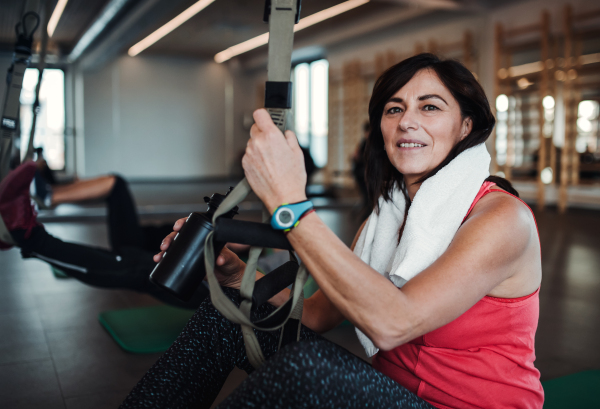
486,188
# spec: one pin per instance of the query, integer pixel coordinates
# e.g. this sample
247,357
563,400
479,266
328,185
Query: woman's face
421,123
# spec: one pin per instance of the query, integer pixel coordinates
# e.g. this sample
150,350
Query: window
587,126
50,124
311,83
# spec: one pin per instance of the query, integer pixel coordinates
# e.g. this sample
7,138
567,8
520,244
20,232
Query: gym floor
55,354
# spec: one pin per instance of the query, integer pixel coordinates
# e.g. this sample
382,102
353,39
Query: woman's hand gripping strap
242,316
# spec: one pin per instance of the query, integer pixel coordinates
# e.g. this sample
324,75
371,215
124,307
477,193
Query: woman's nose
408,121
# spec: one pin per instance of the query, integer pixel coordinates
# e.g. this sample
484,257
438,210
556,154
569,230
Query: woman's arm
474,264
319,313
487,250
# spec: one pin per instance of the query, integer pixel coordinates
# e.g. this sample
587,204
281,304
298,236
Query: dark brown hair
381,175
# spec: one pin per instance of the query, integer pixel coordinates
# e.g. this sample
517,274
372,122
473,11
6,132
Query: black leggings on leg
192,371
320,374
312,373
124,229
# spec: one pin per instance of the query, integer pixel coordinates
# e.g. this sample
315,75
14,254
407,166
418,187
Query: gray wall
155,118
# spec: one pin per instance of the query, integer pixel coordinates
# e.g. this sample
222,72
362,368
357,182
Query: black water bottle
181,270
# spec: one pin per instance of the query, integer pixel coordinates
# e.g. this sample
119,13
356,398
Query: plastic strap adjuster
278,94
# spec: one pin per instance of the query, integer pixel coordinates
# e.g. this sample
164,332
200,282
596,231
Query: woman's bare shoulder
509,219
499,204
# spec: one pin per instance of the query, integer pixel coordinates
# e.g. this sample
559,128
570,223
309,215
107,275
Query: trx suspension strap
10,113
281,15
41,67
14,82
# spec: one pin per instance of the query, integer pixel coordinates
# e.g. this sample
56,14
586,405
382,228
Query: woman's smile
410,144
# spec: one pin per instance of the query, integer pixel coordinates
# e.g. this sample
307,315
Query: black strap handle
252,233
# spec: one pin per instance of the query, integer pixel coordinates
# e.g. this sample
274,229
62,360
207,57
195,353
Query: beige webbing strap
242,315
41,67
6,144
281,36
10,111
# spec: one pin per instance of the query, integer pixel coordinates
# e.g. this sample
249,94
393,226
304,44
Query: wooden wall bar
545,140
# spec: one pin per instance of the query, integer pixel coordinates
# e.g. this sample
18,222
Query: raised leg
81,190
124,229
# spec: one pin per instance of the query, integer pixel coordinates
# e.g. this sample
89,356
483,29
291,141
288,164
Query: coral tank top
482,359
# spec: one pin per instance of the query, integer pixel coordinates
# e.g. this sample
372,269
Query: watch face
285,217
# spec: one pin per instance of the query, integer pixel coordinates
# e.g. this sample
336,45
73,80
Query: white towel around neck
435,214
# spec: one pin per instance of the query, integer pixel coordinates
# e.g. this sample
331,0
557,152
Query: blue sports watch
287,216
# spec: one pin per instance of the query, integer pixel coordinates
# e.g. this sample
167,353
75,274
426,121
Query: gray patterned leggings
313,373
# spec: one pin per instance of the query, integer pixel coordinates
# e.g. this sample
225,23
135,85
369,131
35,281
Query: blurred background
162,92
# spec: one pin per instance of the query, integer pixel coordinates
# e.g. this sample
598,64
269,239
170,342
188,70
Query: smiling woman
442,104
438,103
448,308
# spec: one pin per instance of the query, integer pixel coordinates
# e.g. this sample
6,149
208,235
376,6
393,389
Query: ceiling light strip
242,48
302,24
328,13
56,14
170,26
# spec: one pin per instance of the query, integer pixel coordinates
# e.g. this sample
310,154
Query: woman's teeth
411,145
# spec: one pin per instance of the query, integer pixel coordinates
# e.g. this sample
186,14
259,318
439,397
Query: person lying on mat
127,264
441,281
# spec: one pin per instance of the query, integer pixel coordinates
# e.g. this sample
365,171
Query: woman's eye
430,108
394,110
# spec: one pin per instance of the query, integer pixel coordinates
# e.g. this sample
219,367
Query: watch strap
287,216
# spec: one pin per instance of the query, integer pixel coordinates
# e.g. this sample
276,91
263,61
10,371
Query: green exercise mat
577,391
145,330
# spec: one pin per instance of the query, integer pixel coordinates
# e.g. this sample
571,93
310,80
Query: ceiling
77,17
222,24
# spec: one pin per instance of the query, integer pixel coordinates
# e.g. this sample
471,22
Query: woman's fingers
167,241
227,258
263,120
179,224
164,245
292,140
229,268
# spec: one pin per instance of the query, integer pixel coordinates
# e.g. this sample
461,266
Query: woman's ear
467,126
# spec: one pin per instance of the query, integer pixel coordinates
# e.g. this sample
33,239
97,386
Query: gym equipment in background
41,66
14,83
9,124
